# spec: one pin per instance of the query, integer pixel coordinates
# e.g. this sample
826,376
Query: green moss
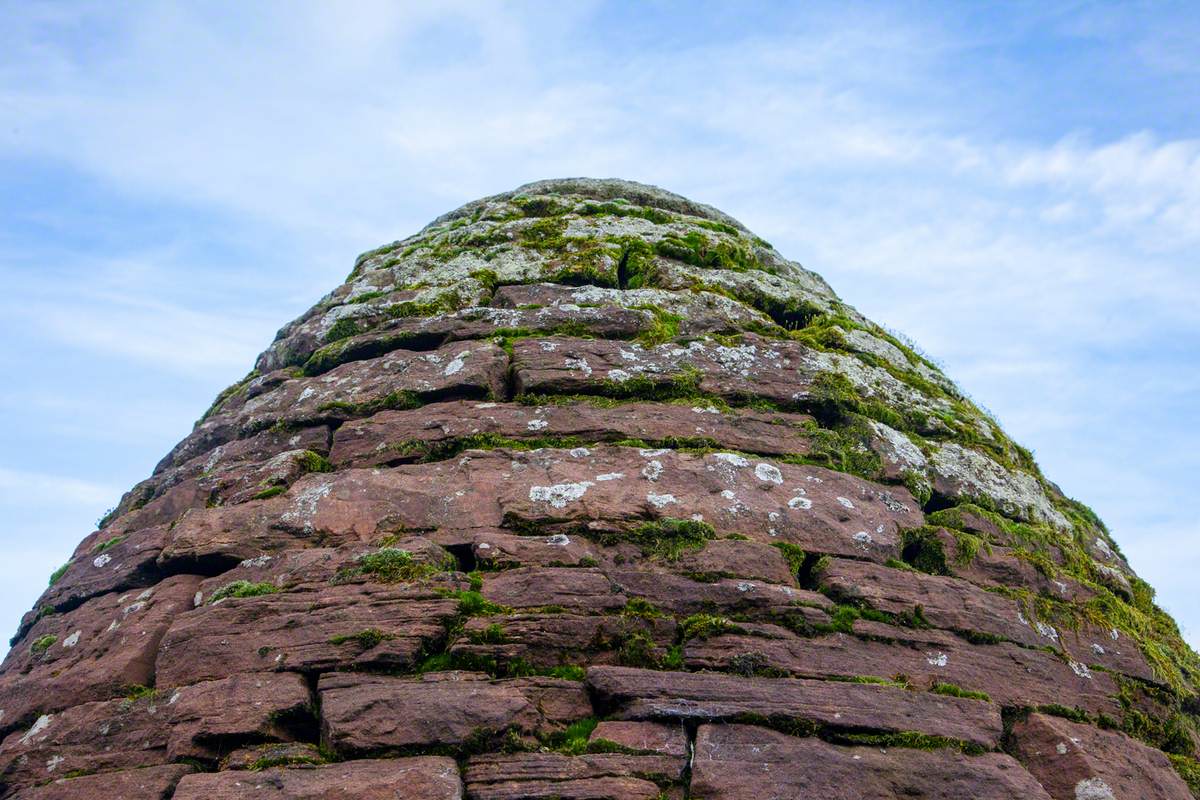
487,278
344,328
357,349
664,328
950,690
442,304
793,554
311,461
1188,769
365,639
1066,712
910,740
795,314
267,762
573,740
698,250
243,589
42,644
666,538
58,573
843,447
492,634
637,268
403,400
704,626
923,549
106,518
640,608
619,210
365,297
270,491
473,604
108,543
388,565
138,692
637,649
227,394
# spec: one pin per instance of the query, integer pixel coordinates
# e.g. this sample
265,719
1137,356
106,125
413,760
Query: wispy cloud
50,490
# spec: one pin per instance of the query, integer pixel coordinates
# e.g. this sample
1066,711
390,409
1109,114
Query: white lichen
559,494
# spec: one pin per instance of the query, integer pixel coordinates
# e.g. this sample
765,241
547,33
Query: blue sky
1016,188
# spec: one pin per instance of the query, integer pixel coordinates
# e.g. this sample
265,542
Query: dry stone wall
586,492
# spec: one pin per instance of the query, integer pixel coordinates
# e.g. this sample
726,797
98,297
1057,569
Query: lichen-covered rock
739,762
584,492
1080,762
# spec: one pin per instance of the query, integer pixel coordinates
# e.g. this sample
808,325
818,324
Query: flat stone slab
647,737
419,778
595,591
464,369
150,783
1009,674
587,777
742,762
549,640
777,370
622,487
447,709
638,694
194,722
1081,762
95,652
392,437
306,631
949,603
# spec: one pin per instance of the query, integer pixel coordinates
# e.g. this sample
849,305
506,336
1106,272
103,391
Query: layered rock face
585,492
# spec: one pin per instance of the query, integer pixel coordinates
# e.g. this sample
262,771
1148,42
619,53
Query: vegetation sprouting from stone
389,565
242,589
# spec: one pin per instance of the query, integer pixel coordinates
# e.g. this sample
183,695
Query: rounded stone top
640,194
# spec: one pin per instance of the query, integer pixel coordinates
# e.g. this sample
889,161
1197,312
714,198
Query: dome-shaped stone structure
586,492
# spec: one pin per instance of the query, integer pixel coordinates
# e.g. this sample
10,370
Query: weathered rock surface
1008,674
95,652
639,694
149,783
423,778
448,709
740,762
585,777
584,492
302,631
198,722
393,437
1080,762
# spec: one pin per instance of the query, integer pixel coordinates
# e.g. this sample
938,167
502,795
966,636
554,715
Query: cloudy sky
1016,188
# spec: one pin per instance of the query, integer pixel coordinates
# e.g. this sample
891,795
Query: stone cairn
585,492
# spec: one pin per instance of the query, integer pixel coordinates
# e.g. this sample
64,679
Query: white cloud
37,489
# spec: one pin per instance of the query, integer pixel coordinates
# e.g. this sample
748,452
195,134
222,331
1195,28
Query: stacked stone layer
585,492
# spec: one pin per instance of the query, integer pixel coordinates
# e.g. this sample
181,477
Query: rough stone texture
395,437
740,762
649,694
149,783
422,778
358,713
586,777
95,652
1079,762
584,491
